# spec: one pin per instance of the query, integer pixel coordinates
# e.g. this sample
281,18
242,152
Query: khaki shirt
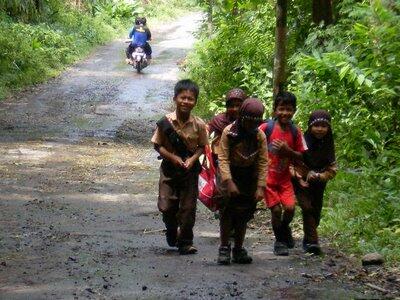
236,156
193,133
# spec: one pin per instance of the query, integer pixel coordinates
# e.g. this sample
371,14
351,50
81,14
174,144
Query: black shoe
312,248
171,234
280,249
188,249
240,256
224,255
288,237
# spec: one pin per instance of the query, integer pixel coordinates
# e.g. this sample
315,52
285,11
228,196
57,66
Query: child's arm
262,166
174,159
224,162
284,150
158,140
201,142
328,174
189,163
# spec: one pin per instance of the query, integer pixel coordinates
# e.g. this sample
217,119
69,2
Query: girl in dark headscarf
233,100
242,157
311,177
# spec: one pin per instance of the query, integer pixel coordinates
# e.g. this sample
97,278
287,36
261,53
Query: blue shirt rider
139,34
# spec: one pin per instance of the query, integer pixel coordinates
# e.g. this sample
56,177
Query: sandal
280,249
224,255
240,256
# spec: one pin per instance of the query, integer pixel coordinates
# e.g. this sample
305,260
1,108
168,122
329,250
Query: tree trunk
235,9
322,11
210,16
280,46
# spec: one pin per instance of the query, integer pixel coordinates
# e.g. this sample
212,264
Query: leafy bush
241,47
349,68
361,219
33,52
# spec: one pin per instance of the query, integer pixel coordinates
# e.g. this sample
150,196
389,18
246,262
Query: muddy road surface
78,182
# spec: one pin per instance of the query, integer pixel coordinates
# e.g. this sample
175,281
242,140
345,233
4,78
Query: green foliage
353,69
350,68
34,52
167,9
361,219
241,47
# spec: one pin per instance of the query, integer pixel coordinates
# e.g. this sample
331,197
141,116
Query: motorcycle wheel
139,66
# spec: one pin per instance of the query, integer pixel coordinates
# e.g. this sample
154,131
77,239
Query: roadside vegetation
40,38
349,66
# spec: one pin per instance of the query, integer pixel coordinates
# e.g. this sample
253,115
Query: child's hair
186,85
285,98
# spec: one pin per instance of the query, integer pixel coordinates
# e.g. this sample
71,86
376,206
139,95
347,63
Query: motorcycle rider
139,34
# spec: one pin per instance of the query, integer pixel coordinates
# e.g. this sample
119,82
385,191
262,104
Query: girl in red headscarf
242,155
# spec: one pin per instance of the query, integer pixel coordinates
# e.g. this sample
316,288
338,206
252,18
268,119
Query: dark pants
239,210
177,201
310,200
146,47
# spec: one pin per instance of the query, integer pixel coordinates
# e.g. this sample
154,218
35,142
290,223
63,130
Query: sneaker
289,241
188,249
224,255
312,248
171,235
240,256
280,249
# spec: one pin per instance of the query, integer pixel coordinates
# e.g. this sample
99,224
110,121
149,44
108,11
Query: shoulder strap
173,137
269,128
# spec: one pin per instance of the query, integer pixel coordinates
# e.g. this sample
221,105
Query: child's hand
312,176
178,162
259,195
233,191
303,183
281,147
188,164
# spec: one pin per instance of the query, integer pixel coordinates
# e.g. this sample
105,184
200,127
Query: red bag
207,185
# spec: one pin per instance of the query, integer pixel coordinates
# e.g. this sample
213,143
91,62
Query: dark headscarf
220,121
252,108
321,152
235,93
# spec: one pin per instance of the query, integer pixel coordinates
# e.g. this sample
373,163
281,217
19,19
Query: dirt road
78,183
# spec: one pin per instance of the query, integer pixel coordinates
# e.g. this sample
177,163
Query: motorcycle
138,58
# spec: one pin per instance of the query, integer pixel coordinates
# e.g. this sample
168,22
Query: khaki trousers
177,201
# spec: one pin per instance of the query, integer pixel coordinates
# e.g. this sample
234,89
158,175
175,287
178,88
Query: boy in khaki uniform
180,138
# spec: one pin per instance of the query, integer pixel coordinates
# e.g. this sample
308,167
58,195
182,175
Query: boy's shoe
224,255
312,248
240,256
188,249
280,249
289,237
171,234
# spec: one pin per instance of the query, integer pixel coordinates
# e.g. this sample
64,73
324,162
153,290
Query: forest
41,37
342,56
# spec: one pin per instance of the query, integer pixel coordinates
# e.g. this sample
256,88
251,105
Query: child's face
232,109
185,101
284,113
319,130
